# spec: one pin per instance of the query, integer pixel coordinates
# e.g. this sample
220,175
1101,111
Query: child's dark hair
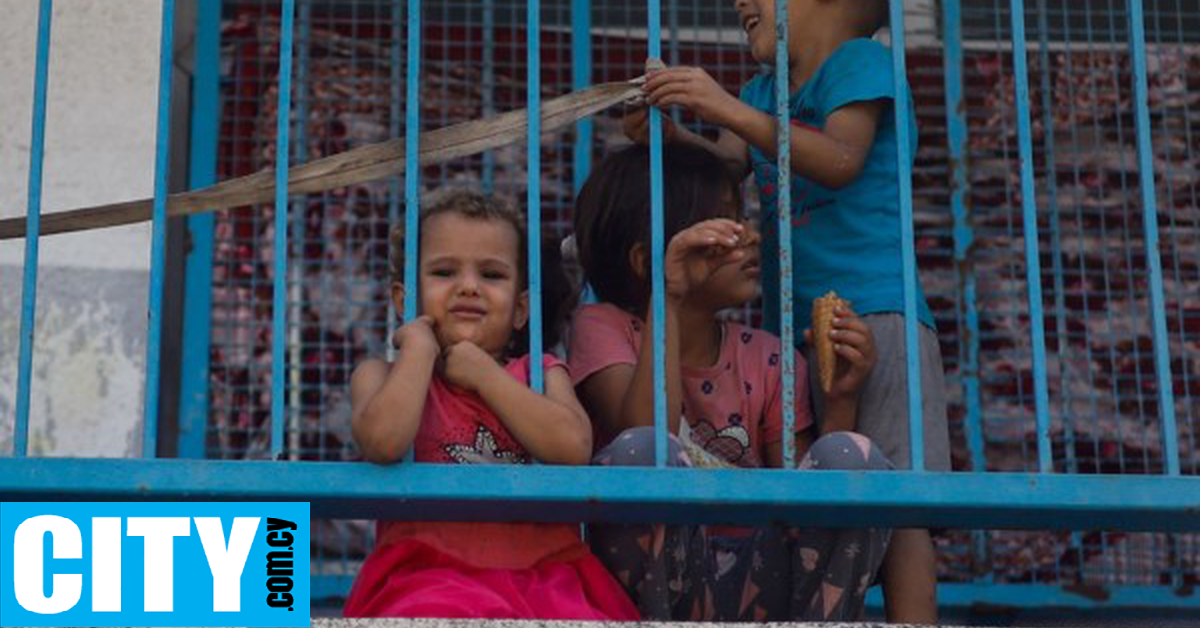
612,214
558,297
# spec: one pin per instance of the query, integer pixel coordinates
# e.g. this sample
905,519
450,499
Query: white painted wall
91,318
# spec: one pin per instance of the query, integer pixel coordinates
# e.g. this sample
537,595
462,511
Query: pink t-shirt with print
734,407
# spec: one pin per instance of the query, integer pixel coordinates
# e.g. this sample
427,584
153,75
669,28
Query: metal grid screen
349,90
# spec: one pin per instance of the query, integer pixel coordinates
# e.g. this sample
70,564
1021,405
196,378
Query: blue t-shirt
845,240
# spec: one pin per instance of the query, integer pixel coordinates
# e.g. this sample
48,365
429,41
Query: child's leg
664,569
910,578
910,573
811,574
832,568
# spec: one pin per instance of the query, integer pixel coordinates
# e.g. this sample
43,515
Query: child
457,394
845,217
724,389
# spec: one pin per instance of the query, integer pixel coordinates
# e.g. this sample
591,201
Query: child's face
735,283
470,281
758,21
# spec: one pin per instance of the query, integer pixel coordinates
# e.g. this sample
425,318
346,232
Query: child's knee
845,451
635,448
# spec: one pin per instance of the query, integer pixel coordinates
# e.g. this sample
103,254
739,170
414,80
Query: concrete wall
92,288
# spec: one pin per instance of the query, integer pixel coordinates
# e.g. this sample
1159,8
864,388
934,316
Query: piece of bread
822,323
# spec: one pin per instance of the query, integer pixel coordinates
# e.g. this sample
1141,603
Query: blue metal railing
995,500
32,230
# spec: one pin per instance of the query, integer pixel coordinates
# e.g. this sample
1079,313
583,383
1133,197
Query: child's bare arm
552,427
621,396
386,401
833,156
730,148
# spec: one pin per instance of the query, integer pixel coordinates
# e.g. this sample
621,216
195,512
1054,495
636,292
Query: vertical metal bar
964,234
489,87
581,77
1162,358
33,228
783,161
279,289
533,202
964,242
412,164
197,296
658,301
1033,266
158,238
1060,308
908,247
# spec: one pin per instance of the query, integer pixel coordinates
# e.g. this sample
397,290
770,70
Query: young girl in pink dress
458,393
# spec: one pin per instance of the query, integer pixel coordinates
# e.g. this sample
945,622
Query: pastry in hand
822,323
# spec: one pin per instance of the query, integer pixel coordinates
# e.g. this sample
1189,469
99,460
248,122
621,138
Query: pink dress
481,570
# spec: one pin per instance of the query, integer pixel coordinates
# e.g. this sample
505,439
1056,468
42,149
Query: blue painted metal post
533,81
1162,349
279,290
412,166
783,147
1033,266
964,241
581,77
658,301
907,246
158,238
412,162
33,227
964,234
197,297
1056,255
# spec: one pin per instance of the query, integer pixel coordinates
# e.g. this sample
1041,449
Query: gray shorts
883,401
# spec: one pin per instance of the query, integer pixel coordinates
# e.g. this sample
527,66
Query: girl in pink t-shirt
724,390
456,394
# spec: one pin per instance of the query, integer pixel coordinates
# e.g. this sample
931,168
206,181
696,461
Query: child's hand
693,89
694,253
636,124
464,363
855,345
416,335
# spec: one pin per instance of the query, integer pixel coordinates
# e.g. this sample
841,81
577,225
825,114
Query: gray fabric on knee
844,451
635,448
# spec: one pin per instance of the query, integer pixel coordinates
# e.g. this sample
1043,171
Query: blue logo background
193,579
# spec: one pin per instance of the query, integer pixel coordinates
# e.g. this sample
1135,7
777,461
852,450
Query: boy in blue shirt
845,217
